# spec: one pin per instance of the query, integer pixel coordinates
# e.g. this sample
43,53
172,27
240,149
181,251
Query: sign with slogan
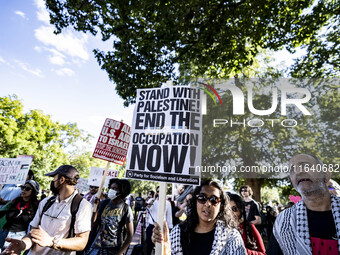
166,135
113,142
96,176
82,185
14,170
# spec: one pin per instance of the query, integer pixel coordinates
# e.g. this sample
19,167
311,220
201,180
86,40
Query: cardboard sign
83,185
96,175
14,170
113,142
166,135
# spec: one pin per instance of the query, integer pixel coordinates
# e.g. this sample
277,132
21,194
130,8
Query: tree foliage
153,39
34,133
270,144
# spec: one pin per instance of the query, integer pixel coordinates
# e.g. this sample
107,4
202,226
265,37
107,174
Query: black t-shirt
252,210
201,244
139,202
321,225
18,221
113,219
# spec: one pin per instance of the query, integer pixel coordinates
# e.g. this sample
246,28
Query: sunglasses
25,188
94,187
202,199
244,190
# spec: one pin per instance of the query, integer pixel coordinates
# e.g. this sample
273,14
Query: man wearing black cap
50,229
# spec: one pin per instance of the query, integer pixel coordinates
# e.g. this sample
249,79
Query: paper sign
14,170
113,142
83,185
97,174
166,135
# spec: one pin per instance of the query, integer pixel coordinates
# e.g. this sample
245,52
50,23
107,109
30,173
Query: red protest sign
113,142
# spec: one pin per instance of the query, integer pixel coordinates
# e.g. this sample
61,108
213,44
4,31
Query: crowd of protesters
200,220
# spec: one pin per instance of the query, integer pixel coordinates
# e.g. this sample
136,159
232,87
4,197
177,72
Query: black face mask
54,190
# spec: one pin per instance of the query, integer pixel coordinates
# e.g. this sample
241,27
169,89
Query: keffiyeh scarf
227,241
291,228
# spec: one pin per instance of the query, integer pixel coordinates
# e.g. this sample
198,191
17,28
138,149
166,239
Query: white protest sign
82,185
166,137
96,176
14,170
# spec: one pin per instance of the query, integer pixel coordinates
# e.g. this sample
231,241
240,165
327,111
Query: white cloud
42,13
56,58
2,60
65,71
24,66
67,42
21,14
38,49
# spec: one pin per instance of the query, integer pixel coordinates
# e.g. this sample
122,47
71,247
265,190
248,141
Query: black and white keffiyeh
227,241
291,228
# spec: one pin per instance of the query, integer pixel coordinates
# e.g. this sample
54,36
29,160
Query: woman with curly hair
208,229
20,213
250,235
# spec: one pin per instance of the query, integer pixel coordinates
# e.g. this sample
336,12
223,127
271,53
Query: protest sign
113,142
82,185
166,135
96,176
14,170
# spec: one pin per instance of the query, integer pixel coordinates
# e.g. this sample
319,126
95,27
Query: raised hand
15,248
41,237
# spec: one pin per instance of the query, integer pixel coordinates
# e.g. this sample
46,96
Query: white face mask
112,194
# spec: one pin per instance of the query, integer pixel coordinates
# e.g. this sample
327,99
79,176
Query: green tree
153,39
34,133
270,144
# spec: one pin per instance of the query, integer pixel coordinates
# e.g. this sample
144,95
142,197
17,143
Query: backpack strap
74,209
48,204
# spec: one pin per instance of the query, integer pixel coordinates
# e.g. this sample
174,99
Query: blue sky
56,74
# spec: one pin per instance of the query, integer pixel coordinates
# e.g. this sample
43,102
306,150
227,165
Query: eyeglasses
202,199
234,209
25,188
55,217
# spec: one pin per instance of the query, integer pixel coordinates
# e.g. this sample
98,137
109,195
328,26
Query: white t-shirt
153,210
57,219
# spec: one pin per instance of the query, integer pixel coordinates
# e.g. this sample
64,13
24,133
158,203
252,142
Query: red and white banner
113,142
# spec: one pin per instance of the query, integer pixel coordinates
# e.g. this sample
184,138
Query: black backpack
74,209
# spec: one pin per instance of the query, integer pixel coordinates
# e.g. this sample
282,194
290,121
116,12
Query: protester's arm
128,239
256,211
257,220
42,238
158,237
258,239
17,246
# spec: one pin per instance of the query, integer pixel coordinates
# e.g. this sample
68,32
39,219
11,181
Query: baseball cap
65,170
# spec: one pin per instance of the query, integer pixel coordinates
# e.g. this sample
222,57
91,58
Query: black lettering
135,154
173,159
